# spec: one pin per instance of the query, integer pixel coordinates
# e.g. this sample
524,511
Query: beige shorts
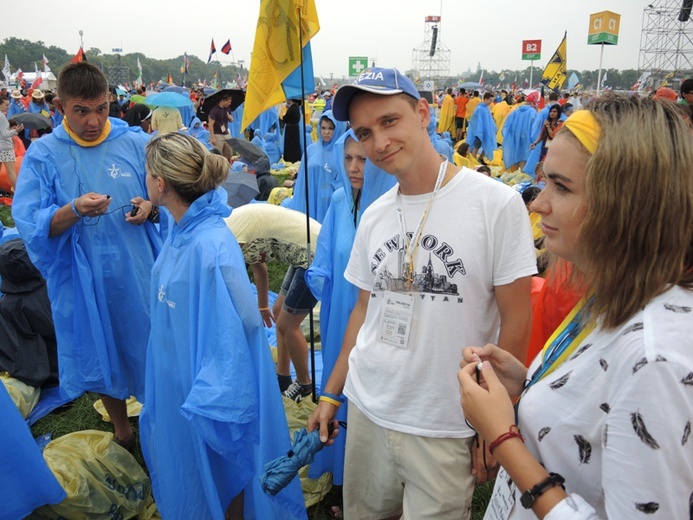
224,147
389,473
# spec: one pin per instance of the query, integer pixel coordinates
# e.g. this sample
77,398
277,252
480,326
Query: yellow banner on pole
554,74
277,51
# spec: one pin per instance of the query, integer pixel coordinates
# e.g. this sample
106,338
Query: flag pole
304,164
531,71
599,77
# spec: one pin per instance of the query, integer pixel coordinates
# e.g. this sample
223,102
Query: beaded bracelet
512,432
74,208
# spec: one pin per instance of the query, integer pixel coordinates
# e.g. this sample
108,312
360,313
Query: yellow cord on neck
104,134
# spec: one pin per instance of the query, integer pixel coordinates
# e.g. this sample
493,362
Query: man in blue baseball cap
442,261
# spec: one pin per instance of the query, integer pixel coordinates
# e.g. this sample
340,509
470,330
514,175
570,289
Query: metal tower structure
666,42
431,59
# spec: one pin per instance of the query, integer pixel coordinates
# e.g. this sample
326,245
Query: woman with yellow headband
600,424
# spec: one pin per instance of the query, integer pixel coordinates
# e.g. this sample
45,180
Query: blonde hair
637,237
186,166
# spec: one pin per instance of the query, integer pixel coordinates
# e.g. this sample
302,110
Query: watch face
527,499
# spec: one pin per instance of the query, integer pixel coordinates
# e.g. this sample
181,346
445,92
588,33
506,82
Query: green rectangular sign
357,64
603,37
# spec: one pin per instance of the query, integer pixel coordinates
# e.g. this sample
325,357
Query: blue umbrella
470,84
177,89
283,470
168,99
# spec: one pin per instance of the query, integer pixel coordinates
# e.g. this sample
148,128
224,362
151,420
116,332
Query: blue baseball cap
376,80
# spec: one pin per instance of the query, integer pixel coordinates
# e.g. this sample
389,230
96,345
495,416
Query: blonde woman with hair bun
212,416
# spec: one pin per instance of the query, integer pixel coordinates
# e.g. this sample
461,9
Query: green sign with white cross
357,64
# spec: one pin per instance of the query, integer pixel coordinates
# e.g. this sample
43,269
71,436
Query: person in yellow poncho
446,122
471,106
500,111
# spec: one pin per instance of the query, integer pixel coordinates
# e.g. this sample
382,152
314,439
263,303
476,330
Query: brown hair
637,238
187,167
81,80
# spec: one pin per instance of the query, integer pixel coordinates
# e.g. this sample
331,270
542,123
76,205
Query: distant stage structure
431,59
666,42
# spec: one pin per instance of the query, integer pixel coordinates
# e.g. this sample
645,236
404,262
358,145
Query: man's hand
321,417
92,204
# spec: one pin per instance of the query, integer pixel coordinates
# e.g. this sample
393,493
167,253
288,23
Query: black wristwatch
528,497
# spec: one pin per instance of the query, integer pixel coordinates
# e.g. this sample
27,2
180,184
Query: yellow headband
585,127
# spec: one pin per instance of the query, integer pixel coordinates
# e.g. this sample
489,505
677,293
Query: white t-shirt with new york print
476,236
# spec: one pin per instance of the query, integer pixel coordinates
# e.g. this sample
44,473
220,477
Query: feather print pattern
649,508
677,308
560,382
633,328
686,433
641,431
639,365
584,449
580,350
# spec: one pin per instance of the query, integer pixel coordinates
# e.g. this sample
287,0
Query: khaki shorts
224,147
389,473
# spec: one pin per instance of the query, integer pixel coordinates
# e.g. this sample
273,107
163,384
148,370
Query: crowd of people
427,274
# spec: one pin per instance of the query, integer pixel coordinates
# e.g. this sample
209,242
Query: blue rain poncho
322,175
199,132
268,127
441,146
325,277
483,127
97,271
26,482
235,125
537,125
212,414
517,134
16,107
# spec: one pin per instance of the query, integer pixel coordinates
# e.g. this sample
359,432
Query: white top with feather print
615,418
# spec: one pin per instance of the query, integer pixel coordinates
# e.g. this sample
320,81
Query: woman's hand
532,146
510,371
145,208
490,411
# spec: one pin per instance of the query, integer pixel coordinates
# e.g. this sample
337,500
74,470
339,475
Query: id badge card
503,498
397,314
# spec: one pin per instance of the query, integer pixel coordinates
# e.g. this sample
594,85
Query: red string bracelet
512,432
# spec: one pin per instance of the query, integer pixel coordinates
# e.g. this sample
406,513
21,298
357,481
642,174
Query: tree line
24,54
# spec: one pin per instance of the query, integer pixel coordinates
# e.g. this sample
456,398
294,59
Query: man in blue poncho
74,209
517,132
482,129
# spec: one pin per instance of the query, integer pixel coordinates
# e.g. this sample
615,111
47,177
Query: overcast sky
384,30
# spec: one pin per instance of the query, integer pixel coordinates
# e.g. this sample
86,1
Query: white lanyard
410,245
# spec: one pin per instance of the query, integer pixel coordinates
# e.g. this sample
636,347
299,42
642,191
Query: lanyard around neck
560,346
411,245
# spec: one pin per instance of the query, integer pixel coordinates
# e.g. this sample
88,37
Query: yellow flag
554,74
276,51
